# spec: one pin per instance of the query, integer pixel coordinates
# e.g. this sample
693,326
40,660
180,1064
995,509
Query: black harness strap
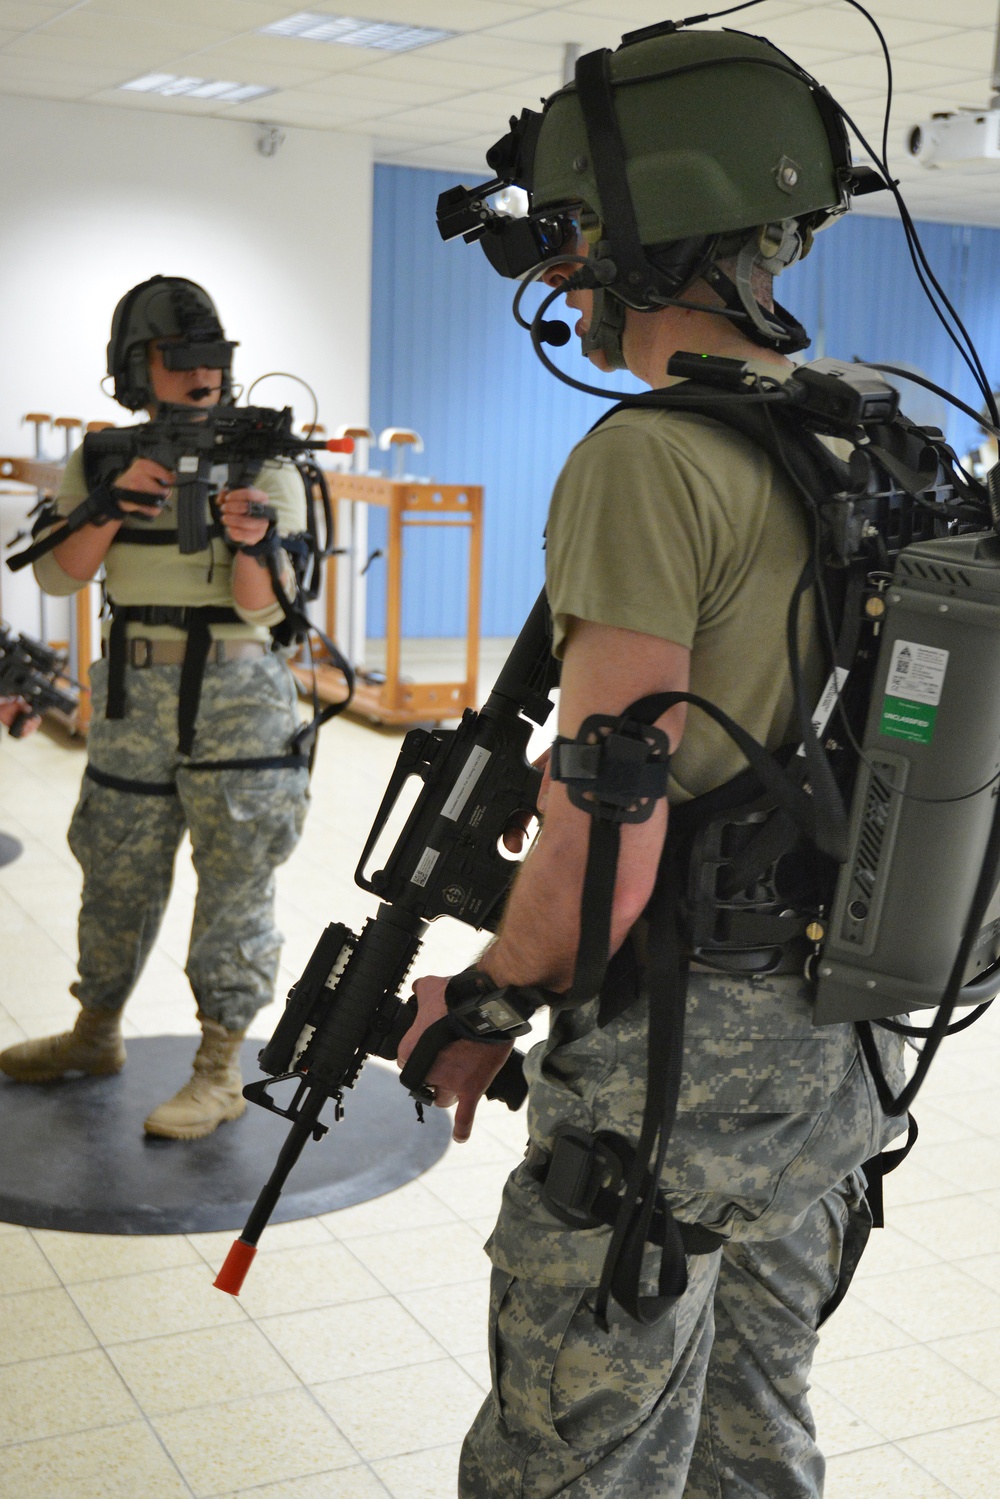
116,664
134,537
666,995
192,675
169,788
608,773
196,622
297,624
136,788
253,762
607,150
572,1175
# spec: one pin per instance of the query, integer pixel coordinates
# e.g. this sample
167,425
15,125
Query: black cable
828,641
535,275
665,398
715,14
969,354
946,395
286,375
918,256
899,1029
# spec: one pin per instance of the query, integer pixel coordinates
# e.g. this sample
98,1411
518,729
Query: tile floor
353,1362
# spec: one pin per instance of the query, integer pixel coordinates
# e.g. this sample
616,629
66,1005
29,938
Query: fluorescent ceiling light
311,26
220,89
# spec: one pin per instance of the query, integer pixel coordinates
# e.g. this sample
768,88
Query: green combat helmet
167,307
678,150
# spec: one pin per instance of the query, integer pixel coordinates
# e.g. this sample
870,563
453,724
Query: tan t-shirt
676,526
138,574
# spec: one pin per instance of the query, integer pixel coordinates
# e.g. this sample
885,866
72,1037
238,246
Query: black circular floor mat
74,1154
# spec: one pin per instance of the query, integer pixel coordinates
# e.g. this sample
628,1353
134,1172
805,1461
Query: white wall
96,199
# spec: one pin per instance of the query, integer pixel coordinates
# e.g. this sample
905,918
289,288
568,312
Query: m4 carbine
30,670
224,447
446,862
207,451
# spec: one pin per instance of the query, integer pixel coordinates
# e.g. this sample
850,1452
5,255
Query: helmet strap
606,326
772,328
637,280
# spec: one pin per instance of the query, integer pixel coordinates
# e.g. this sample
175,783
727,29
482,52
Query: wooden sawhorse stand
410,503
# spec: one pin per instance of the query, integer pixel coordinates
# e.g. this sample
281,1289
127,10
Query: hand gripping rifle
446,862
207,450
30,670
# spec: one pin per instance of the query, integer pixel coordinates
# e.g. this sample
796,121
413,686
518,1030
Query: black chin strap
787,336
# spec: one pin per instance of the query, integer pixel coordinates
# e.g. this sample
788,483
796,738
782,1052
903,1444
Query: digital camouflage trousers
775,1119
242,823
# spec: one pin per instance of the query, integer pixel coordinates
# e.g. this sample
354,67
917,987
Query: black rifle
446,862
207,450
29,670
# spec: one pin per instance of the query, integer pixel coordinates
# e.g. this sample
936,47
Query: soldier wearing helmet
192,717
668,185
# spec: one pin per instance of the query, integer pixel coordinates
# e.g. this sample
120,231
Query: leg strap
136,788
581,1179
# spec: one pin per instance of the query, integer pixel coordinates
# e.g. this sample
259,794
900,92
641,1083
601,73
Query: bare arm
604,670
81,554
252,588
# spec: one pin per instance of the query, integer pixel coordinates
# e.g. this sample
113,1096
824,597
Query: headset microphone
556,333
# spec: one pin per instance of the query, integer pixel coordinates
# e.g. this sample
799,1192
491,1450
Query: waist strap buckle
581,1167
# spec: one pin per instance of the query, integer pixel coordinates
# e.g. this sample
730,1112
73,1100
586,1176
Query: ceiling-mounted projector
957,135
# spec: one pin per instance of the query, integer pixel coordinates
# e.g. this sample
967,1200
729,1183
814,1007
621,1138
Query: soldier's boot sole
94,1047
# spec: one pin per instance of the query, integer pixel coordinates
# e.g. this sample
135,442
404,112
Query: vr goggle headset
513,245
210,354
200,342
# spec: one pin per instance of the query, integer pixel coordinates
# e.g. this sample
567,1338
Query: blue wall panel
449,360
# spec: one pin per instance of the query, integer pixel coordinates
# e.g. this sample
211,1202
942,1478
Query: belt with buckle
141,651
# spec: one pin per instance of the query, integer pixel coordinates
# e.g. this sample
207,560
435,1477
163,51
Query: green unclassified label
905,720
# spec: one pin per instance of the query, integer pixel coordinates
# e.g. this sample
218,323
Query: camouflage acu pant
711,1403
243,823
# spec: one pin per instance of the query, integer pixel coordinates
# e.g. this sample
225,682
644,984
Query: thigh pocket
528,1323
751,1048
561,1381
114,830
266,811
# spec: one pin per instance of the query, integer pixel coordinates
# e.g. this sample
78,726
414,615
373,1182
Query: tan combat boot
214,1092
94,1045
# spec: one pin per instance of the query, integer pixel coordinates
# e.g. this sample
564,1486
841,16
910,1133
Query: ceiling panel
478,48
20,14
227,61
315,111
288,52
450,15
837,26
455,76
139,31
444,104
959,49
959,12
231,16
402,93
557,27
